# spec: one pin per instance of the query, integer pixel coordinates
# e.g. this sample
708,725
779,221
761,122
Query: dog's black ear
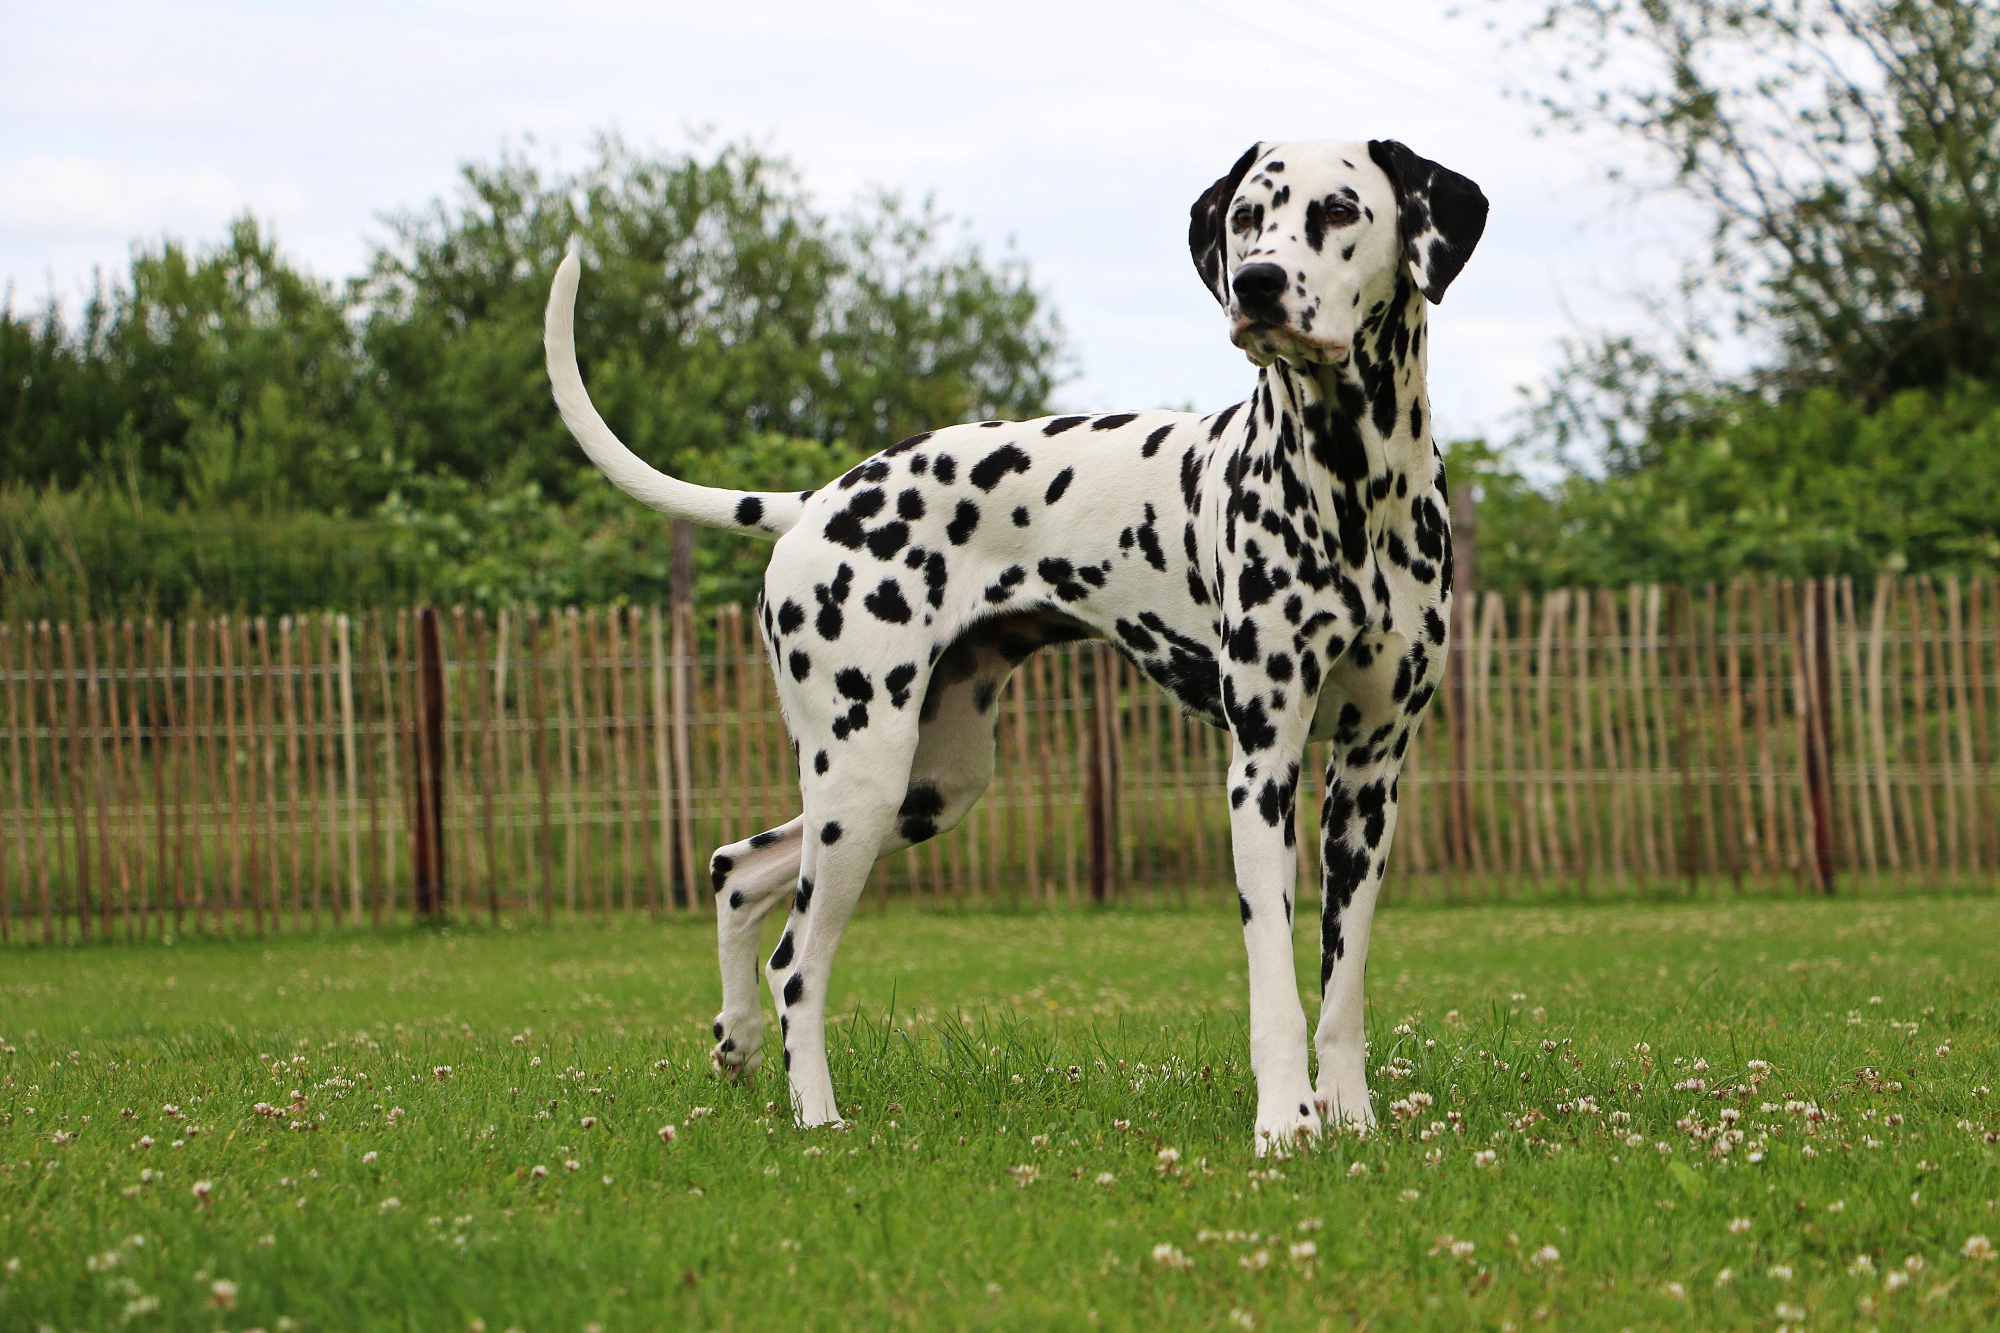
1441,215
1208,221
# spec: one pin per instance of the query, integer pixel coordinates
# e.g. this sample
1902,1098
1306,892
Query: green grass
1513,1020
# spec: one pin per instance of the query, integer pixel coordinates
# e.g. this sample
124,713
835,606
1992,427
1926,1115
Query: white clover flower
1545,1256
1977,1247
1739,1226
1302,1251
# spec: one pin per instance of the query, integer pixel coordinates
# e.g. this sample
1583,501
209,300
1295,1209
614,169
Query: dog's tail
756,513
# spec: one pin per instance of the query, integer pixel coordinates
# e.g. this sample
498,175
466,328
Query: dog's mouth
1265,342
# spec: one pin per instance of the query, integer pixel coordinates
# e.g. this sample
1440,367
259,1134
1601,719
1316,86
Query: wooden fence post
1458,701
1816,650
687,877
427,859
1100,799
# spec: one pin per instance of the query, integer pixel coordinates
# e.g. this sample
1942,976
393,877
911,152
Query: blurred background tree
220,429
1846,158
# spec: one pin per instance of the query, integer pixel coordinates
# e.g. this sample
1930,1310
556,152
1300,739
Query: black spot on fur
1114,421
885,541
1059,485
1003,588
1153,441
988,471
934,578
910,504
718,871
790,616
795,990
854,683
1056,427
830,832
1021,516
886,603
802,897
918,816
945,469
963,521
820,763
782,955
749,511
897,682
801,665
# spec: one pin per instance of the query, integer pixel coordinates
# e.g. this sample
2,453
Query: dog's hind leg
868,797
750,878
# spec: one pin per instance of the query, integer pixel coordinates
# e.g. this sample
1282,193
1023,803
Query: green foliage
1845,157
1809,486
985,1184
1845,154
222,429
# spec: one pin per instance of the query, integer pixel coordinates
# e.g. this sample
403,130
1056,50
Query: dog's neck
1365,421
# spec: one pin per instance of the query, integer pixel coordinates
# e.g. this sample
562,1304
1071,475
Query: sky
1071,133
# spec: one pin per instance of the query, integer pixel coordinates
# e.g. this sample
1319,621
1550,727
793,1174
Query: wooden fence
233,775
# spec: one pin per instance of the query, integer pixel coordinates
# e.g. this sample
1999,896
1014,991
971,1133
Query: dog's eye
1241,219
1339,213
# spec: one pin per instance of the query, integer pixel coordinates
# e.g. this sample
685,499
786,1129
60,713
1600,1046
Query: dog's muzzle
1261,326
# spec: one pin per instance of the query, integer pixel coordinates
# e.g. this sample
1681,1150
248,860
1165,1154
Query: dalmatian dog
1282,566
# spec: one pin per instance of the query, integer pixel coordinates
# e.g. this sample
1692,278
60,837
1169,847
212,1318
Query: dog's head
1300,241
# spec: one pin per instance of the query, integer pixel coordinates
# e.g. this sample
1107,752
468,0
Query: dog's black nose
1259,284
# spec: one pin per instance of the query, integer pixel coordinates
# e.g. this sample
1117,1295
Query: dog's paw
1286,1128
738,1051
1346,1112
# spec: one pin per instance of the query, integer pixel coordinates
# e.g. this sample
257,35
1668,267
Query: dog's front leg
1263,786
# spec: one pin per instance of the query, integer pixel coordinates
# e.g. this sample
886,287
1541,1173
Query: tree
1847,153
317,448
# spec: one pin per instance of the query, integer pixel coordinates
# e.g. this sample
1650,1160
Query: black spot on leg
898,683
718,871
803,896
800,664
782,955
735,899
829,832
919,812
853,682
750,511
1243,906
795,990
820,763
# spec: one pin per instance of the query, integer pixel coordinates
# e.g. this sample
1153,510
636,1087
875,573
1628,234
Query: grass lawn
1051,1129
